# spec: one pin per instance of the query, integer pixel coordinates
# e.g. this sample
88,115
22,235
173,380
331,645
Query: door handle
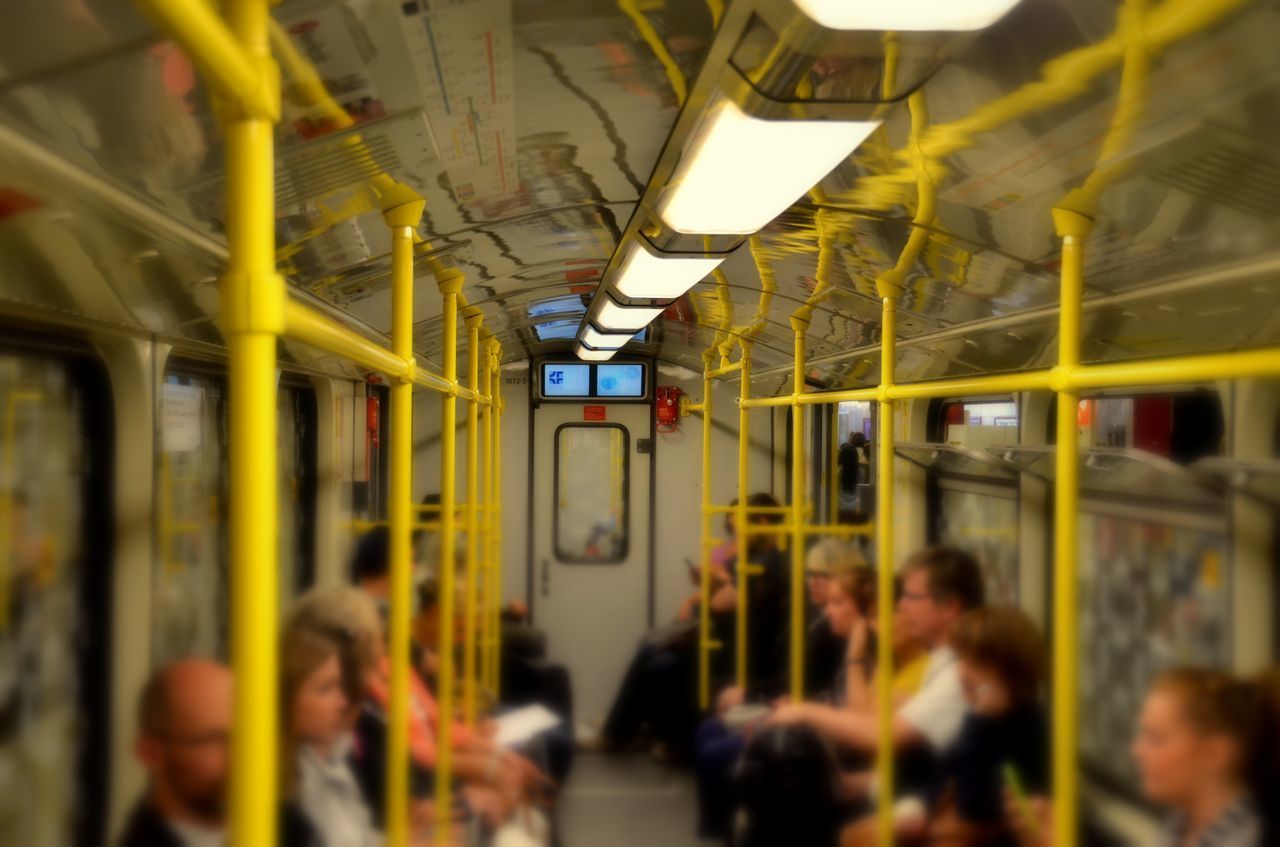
546,578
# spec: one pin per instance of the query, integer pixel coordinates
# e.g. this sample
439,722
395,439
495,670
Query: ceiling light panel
906,15
593,337
614,317
644,275
740,172
593,355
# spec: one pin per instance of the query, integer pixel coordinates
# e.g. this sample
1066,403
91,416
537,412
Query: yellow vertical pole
800,326
486,499
1073,227
450,283
495,662
744,456
253,295
474,319
885,569
402,219
704,579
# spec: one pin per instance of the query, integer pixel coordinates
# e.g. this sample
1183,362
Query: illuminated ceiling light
593,355
644,275
623,318
906,15
740,172
593,337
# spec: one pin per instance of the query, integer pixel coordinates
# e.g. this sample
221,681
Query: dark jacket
147,829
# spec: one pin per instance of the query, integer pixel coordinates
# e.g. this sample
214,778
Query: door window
591,509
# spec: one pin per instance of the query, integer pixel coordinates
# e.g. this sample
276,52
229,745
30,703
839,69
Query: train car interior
632,422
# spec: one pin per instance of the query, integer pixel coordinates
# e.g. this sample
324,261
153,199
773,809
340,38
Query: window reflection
42,478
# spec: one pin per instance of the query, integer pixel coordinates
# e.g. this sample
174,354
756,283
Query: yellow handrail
800,326
704,576
885,572
473,524
402,220
450,285
740,518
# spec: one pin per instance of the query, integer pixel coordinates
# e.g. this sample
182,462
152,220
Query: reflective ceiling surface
532,126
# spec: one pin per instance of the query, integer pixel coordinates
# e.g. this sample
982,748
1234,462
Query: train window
983,521
191,596
591,484
296,423
1154,592
973,494
53,568
980,424
1182,426
853,465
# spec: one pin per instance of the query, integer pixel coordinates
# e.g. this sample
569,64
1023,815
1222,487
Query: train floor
631,802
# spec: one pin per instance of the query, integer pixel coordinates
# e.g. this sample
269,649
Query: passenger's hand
730,697
487,728
686,608
1036,832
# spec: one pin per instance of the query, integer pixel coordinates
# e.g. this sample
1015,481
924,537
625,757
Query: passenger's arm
859,694
845,728
725,599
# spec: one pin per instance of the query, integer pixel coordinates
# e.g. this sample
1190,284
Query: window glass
43,472
979,425
191,596
591,515
1182,427
1152,595
296,428
853,470
986,526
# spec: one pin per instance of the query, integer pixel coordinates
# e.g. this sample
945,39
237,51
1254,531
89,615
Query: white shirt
331,798
194,835
937,709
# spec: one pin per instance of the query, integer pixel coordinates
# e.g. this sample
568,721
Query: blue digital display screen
619,380
566,380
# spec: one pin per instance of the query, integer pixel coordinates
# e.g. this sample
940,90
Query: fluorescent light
642,274
740,172
621,318
906,15
593,337
593,355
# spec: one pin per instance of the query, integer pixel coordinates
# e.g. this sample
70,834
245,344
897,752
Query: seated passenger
184,735
940,584
1206,750
1000,656
318,703
659,690
496,782
847,589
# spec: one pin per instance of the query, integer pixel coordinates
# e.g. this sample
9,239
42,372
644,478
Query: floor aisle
628,803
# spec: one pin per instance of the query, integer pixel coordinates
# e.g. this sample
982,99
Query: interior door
591,523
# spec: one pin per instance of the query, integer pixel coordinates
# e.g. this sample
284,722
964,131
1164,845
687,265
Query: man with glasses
939,584
184,742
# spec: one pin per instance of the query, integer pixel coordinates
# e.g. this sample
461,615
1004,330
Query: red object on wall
1153,424
668,408
593,413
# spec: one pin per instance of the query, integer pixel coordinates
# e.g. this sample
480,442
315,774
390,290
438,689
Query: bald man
184,742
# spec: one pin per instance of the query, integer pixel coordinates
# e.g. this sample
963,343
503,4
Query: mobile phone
1014,784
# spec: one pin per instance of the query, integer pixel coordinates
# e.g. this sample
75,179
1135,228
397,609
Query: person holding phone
1004,735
